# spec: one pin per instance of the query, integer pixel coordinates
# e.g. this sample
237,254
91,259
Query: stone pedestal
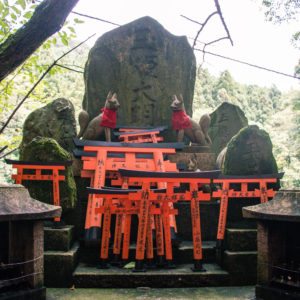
195,157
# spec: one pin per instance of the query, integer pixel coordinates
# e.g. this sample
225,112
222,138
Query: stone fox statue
91,130
184,125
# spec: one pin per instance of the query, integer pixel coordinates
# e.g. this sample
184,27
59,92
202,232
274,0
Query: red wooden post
142,228
106,229
196,226
127,227
223,210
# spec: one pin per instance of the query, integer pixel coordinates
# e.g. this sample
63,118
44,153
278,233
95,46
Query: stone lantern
22,243
278,246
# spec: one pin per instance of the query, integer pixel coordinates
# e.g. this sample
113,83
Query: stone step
241,265
91,277
58,239
59,266
182,254
241,239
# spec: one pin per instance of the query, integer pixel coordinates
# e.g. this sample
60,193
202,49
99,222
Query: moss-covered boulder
250,153
42,149
55,120
145,65
226,121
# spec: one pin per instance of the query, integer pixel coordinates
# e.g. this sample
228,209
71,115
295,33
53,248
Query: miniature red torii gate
116,201
141,136
146,196
98,165
115,160
29,170
229,190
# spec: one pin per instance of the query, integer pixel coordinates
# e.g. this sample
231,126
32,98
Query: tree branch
47,19
222,20
202,27
7,153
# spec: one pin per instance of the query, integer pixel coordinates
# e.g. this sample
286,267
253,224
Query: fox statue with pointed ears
184,125
104,122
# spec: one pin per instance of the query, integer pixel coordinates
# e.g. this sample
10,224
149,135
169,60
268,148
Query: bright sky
255,40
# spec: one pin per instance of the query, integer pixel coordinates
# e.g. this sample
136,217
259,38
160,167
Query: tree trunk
47,19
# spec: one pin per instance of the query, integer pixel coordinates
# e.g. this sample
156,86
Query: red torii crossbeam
141,136
146,196
29,170
228,190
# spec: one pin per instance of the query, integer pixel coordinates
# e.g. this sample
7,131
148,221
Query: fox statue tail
83,120
204,124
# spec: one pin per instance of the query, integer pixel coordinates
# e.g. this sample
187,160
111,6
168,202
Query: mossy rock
42,149
55,120
250,153
226,121
145,65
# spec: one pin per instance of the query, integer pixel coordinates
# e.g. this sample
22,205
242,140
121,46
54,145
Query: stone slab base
91,277
204,161
265,292
241,239
32,294
183,254
195,148
59,266
58,239
241,266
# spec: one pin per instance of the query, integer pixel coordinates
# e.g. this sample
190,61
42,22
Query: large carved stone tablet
226,121
145,65
250,153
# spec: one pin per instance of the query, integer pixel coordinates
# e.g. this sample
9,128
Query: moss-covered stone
42,149
145,65
249,153
59,266
55,120
58,239
226,121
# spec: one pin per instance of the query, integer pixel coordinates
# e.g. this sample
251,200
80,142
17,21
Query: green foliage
297,69
62,83
273,111
279,11
13,15
257,102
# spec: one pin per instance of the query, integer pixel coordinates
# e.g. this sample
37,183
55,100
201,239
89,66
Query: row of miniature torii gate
155,185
